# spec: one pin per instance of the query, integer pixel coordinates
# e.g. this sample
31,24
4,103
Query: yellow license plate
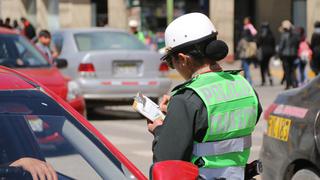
278,127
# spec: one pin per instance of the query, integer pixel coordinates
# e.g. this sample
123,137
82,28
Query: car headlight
73,90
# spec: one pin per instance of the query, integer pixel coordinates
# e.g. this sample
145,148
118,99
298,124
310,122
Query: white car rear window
91,41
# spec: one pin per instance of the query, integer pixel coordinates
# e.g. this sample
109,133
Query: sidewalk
275,67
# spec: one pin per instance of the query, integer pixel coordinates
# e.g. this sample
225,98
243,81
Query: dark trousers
265,70
289,71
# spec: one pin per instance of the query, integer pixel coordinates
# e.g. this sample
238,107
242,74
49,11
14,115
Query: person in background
288,52
315,47
304,56
247,24
133,25
247,51
7,23
43,44
16,26
1,23
266,49
28,29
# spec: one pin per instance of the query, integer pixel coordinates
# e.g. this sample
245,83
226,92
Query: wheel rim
305,174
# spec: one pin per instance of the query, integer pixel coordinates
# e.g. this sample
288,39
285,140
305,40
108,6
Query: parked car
18,53
291,144
111,65
25,108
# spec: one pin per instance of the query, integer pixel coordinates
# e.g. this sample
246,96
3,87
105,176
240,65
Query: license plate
36,125
278,127
126,68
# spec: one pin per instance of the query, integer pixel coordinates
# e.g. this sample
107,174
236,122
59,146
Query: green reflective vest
141,37
232,107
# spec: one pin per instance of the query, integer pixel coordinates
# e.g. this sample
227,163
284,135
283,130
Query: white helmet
187,30
133,23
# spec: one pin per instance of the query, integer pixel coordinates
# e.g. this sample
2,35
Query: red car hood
49,77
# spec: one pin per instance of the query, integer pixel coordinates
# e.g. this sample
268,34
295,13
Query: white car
111,65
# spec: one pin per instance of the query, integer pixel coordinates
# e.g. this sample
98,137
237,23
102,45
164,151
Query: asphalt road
133,139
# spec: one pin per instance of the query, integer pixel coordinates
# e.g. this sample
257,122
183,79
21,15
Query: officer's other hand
39,170
154,124
164,103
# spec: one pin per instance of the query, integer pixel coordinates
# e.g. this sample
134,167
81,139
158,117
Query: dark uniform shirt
186,121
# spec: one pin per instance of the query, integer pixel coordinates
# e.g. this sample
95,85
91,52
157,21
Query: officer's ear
183,58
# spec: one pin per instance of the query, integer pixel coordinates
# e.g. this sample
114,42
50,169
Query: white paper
147,107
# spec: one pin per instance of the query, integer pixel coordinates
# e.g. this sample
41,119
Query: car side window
57,40
16,140
57,149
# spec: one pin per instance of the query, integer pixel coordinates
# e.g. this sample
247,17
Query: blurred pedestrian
133,25
247,24
1,22
28,29
16,26
288,51
315,46
247,52
266,49
304,56
7,23
44,42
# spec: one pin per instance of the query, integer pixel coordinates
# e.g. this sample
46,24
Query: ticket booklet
147,107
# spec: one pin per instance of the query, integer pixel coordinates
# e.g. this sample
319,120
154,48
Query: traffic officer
210,117
133,25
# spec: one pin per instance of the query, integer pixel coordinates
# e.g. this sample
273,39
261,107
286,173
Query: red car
26,107
18,53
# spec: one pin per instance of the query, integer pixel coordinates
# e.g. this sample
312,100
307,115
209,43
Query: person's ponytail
216,50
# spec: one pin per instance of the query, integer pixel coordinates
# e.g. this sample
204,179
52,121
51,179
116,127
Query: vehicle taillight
164,68
86,67
87,70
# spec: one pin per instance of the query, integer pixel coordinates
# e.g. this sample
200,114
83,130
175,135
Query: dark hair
211,49
317,24
246,34
7,20
44,33
15,23
23,19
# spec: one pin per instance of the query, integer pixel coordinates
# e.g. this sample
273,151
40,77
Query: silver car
111,65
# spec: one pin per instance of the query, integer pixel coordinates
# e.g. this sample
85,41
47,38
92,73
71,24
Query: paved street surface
133,139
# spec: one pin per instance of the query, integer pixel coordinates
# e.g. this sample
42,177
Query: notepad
147,107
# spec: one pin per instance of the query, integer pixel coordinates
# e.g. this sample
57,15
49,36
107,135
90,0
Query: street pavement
134,141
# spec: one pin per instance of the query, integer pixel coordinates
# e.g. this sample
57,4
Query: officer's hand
154,124
164,103
38,169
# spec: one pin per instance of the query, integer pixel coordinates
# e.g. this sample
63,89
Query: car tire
306,174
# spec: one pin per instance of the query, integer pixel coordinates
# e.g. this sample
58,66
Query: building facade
227,15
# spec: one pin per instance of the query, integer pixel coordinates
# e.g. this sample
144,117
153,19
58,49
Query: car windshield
33,125
107,40
16,51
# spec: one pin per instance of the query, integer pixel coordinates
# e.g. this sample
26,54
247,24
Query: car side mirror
173,169
60,63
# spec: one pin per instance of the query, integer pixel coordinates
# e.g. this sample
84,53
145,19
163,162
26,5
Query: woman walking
247,52
288,51
266,46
